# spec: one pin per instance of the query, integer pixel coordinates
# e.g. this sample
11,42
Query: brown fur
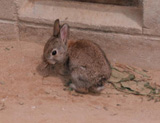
82,61
89,63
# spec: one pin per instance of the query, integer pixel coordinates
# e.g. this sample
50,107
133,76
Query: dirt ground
27,97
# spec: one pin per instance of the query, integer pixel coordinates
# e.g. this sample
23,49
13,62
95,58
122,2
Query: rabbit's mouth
51,61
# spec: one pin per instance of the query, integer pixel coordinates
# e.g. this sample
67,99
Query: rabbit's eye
54,52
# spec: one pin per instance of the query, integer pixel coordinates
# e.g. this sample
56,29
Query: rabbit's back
90,58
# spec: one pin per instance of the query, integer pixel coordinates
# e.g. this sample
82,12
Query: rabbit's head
55,50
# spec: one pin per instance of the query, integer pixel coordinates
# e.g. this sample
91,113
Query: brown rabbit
83,61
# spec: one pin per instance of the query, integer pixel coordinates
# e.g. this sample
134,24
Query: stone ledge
118,47
32,33
152,31
79,15
8,31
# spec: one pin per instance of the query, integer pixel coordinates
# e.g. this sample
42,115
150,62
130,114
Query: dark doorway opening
115,2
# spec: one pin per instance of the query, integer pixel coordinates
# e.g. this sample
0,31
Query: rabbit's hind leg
79,82
78,89
96,89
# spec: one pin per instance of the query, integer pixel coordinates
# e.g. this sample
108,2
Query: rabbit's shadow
47,70
44,69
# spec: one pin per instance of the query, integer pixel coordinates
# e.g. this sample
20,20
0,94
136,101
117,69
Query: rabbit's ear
64,33
56,28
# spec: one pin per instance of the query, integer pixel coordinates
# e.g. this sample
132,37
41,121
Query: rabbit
82,61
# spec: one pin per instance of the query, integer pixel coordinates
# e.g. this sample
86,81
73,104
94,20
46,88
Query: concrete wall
126,44
9,17
151,17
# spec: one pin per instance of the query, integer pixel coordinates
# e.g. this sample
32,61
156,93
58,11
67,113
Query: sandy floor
25,97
